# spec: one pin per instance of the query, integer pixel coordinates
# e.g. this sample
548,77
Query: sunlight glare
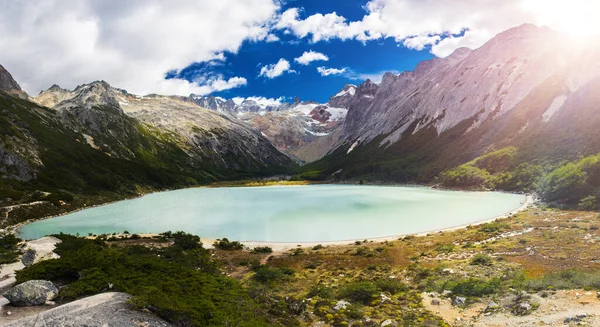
576,17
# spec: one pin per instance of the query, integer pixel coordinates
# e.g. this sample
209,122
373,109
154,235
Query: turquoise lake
286,213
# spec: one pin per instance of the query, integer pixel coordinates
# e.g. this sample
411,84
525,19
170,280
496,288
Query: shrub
225,244
392,286
9,250
568,279
363,292
266,274
445,248
176,286
186,241
262,249
321,291
481,259
475,287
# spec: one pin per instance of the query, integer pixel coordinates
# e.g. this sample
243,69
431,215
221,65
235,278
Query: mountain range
529,89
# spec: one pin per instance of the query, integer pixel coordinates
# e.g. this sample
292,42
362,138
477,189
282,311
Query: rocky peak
366,89
8,84
343,97
55,88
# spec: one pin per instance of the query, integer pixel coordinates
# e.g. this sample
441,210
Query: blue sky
221,46
361,60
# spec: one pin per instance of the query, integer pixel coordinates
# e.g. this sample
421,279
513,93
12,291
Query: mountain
9,85
101,142
304,130
528,87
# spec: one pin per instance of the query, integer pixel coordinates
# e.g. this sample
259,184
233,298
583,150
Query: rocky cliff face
116,122
9,85
449,111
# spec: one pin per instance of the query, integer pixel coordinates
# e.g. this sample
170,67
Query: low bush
227,245
568,279
262,249
181,286
266,274
481,259
363,292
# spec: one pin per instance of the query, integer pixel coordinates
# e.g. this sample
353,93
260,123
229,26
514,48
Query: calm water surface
286,213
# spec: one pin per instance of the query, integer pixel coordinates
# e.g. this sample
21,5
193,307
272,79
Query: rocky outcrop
133,127
40,250
106,309
519,89
9,85
30,293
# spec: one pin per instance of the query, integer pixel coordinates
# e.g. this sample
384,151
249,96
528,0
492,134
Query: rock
435,302
459,300
341,305
28,258
389,322
522,308
492,306
105,309
33,292
448,271
384,298
578,318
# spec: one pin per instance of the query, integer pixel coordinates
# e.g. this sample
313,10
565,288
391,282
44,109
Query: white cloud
262,101
330,71
275,70
309,56
442,25
420,42
272,38
130,44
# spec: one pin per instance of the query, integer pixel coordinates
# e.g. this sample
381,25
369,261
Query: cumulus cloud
444,27
309,56
275,70
262,101
130,44
330,71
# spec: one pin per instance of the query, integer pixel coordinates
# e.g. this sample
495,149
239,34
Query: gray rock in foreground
33,292
106,309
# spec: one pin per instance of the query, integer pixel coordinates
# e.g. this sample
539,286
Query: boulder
33,292
105,309
492,306
28,257
389,323
459,300
435,302
522,308
341,305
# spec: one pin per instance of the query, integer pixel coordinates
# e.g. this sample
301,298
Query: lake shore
286,246
279,247
282,246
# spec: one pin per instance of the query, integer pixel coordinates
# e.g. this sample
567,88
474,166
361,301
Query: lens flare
579,18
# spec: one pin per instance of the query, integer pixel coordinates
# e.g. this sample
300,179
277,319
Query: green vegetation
573,183
262,249
481,259
179,283
141,159
227,245
568,279
9,250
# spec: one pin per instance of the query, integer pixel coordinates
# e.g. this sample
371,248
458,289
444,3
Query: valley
517,115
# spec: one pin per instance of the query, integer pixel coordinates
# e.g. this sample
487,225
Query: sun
579,18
